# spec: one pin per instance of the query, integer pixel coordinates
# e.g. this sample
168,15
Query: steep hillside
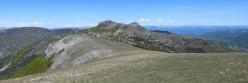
3,28
12,65
234,38
15,39
138,36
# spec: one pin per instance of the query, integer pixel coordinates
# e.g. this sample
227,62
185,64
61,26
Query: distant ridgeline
236,39
138,36
233,37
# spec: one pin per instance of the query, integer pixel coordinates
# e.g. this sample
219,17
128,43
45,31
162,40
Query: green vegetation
17,61
19,55
37,65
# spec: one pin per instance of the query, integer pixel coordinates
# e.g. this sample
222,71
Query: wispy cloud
158,21
145,20
1,21
33,23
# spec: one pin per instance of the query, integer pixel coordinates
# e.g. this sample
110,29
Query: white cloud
151,20
5,23
159,21
170,21
144,20
51,23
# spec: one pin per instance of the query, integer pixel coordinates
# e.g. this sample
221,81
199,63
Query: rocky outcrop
61,48
78,49
63,44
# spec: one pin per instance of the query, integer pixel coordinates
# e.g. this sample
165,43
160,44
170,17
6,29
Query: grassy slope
38,65
20,54
153,67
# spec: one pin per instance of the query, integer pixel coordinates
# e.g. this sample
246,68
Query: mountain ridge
138,36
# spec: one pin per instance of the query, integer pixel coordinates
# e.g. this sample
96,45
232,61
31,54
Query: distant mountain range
193,31
234,37
3,28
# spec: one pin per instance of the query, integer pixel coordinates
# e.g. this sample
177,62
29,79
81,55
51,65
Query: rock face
138,36
77,49
63,44
61,49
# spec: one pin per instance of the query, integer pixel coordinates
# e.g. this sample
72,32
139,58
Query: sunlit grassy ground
153,67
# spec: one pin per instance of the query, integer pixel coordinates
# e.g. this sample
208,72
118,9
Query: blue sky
59,13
